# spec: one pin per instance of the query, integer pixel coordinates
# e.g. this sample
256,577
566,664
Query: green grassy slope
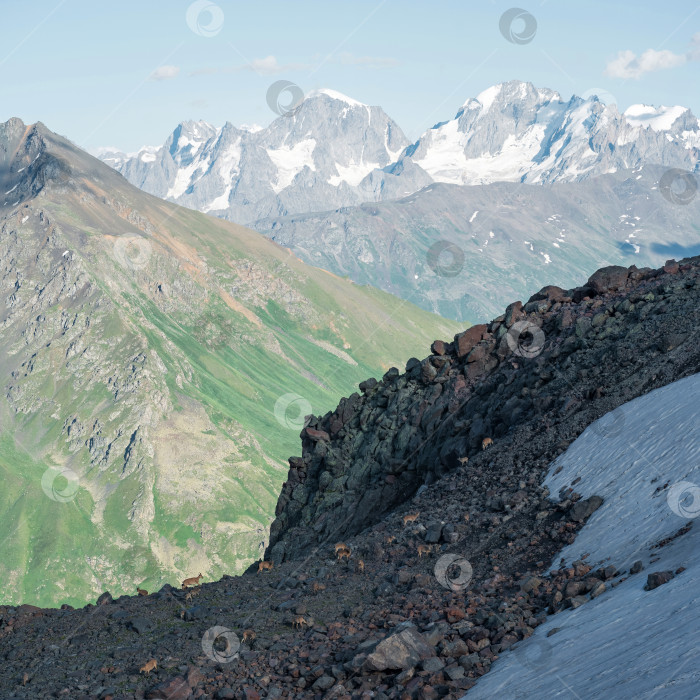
149,353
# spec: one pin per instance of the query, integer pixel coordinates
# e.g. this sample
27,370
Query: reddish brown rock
607,278
514,312
439,347
550,292
671,267
317,435
465,341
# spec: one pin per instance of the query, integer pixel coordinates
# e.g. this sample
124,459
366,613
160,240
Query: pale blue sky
83,67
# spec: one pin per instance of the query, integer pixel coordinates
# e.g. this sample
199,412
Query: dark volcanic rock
399,651
175,688
583,509
658,578
608,278
387,619
583,353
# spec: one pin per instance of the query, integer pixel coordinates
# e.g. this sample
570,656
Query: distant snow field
627,643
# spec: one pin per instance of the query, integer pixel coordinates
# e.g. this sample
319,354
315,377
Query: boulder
140,625
433,532
658,578
550,293
583,509
175,688
465,341
439,347
608,278
367,385
400,651
514,312
671,267
316,435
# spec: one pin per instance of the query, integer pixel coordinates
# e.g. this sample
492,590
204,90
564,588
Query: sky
125,74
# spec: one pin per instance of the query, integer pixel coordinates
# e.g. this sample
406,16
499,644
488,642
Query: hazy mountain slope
636,643
312,158
506,238
145,350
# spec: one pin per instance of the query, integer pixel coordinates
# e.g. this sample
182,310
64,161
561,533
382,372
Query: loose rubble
406,623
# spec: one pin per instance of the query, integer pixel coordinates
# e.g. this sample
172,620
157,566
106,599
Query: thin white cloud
627,64
261,66
270,65
348,59
165,73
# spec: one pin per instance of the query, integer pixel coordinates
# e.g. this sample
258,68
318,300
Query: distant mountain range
333,151
338,183
315,158
157,367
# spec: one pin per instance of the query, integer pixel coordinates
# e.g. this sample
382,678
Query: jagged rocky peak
510,97
565,355
334,151
27,162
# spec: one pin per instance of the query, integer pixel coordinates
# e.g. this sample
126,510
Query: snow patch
335,95
628,642
353,173
488,96
291,161
656,118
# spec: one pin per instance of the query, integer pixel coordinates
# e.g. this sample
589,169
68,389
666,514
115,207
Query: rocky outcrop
564,356
405,614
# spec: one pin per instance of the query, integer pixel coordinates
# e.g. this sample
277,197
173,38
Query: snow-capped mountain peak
516,132
334,151
657,118
335,95
319,152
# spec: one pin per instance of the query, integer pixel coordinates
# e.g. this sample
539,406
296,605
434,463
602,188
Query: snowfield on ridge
629,642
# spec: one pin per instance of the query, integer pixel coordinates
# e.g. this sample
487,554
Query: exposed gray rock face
333,151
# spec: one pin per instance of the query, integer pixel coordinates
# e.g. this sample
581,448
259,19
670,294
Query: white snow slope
628,643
